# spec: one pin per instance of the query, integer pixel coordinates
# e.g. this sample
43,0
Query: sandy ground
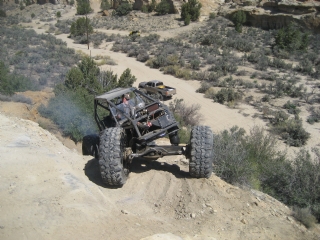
50,191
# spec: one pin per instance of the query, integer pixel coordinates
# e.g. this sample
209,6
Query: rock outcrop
276,14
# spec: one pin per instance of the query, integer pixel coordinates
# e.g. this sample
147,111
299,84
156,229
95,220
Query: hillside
51,192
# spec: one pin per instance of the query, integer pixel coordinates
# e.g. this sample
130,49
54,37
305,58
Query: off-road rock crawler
129,121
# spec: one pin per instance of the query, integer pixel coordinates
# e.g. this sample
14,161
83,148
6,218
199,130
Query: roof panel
117,92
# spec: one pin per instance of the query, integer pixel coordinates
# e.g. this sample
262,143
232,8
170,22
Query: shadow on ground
139,165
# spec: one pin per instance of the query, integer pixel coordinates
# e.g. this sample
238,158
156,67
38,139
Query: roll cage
148,119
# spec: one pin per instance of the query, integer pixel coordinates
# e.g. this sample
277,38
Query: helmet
126,96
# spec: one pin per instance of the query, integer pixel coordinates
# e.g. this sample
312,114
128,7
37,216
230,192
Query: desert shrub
270,76
291,38
189,115
303,188
304,216
58,14
315,115
305,66
224,65
178,107
123,9
2,13
292,108
292,132
171,69
195,63
246,159
279,63
239,43
228,95
143,56
210,93
63,26
144,9
204,87
254,160
234,166
158,61
81,27
183,73
191,8
212,15
152,6
162,8
13,82
32,15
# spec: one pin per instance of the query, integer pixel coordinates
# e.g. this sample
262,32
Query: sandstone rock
105,13
244,221
124,211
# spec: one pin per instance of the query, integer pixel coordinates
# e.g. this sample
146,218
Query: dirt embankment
51,192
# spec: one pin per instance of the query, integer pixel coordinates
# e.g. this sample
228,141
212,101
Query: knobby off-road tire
90,145
201,152
113,168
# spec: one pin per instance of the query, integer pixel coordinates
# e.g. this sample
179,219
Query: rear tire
90,145
113,167
201,152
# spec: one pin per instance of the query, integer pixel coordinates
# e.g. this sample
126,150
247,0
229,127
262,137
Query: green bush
32,15
80,27
254,160
123,9
83,7
105,5
13,82
212,15
191,8
58,14
72,107
152,6
2,13
228,95
291,38
239,18
243,159
187,20
162,7
292,131
144,9
292,108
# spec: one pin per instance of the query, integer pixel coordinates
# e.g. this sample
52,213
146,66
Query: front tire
113,166
201,152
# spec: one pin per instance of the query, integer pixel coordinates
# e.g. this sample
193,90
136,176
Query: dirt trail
217,116
51,192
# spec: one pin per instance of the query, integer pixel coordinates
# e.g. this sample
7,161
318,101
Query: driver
125,106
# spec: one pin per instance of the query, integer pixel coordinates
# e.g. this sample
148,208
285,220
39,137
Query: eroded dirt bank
51,192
